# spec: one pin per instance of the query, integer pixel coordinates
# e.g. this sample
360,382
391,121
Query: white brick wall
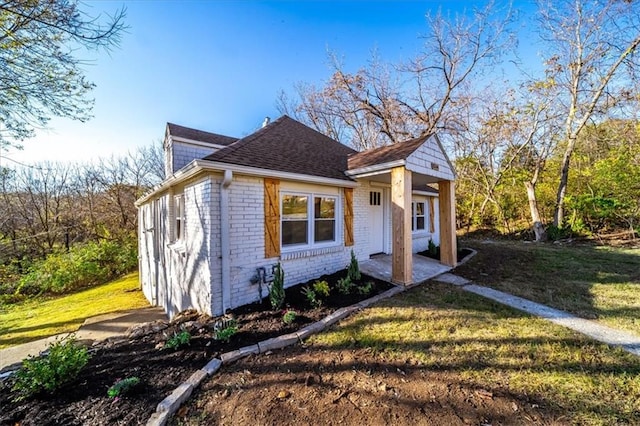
247,242
184,273
191,276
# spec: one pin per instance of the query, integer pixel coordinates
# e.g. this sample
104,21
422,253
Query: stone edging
467,257
168,406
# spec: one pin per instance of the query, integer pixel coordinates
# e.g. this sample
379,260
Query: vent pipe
266,121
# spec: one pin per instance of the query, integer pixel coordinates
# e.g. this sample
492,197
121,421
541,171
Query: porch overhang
406,167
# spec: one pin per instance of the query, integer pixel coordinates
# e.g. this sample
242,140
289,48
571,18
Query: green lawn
43,317
600,283
467,338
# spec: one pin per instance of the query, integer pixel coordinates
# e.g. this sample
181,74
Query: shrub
276,292
353,270
289,316
64,361
311,297
226,330
178,340
366,288
321,288
432,249
122,387
345,285
82,266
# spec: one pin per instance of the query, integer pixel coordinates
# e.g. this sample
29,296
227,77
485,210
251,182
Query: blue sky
219,66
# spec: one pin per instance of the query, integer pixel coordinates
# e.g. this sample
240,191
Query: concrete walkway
94,329
611,336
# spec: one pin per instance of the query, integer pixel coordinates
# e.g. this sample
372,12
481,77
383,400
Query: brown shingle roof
288,146
199,135
385,154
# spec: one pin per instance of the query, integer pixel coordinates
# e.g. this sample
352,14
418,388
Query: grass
471,339
601,283
43,317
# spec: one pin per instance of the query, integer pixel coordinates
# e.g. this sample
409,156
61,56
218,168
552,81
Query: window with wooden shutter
271,217
348,217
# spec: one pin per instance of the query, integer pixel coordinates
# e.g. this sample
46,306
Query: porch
380,266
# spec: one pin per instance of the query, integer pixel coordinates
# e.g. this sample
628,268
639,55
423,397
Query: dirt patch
312,385
84,401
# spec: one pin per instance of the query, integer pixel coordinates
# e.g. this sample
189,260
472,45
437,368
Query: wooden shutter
271,217
432,209
348,217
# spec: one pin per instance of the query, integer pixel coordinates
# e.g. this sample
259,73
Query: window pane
294,207
420,209
325,230
324,208
294,232
420,222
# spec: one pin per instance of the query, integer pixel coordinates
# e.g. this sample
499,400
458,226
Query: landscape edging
168,406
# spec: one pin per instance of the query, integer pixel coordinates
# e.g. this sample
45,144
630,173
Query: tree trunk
538,227
558,214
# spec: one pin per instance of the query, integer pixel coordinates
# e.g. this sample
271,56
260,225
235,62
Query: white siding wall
179,154
421,161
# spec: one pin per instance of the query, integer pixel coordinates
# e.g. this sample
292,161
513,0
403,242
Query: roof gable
424,155
385,154
199,135
289,146
430,159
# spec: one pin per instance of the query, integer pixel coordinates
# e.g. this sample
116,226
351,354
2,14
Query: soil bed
84,401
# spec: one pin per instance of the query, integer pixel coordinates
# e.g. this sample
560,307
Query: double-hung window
308,219
178,205
417,216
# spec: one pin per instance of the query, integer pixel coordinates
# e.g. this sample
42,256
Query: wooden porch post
447,208
402,265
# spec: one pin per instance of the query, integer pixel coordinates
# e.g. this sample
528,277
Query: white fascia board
184,173
254,171
197,143
428,194
376,169
198,166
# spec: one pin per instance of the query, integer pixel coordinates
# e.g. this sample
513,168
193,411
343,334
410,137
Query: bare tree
385,103
591,63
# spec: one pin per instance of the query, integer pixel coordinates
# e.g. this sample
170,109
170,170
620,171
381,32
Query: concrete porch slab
423,268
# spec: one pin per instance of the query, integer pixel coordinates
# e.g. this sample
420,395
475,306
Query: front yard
601,283
433,355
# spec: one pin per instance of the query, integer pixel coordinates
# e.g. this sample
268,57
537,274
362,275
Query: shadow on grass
559,276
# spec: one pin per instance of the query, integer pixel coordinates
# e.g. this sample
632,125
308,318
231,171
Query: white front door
376,221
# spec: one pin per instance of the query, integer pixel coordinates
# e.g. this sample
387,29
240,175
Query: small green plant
321,289
345,285
62,364
289,316
276,292
229,329
432,248
353,270
366,288
311,297
122,387
178,340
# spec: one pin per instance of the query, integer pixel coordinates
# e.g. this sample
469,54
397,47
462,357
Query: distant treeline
64,226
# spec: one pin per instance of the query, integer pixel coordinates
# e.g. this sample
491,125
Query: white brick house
288,194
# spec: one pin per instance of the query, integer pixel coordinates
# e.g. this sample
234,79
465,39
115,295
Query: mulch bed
84,401
461,254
